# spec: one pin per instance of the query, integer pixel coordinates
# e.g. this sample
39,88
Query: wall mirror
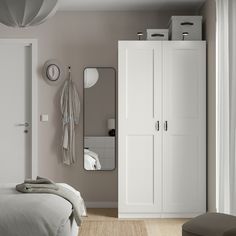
99,118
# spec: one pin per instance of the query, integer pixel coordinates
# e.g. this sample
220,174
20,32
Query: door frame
33,44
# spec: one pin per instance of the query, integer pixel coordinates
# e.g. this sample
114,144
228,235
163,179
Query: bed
91,160
34,214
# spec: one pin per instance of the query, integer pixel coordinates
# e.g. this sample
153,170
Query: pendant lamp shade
24,13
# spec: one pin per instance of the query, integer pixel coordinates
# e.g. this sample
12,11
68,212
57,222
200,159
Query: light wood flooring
105,222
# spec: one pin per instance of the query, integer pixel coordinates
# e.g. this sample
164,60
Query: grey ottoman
210,224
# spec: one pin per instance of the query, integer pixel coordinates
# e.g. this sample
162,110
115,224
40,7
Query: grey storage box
157,34
185,28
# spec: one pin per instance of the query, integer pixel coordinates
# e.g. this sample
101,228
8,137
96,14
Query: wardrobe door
139,131
184,136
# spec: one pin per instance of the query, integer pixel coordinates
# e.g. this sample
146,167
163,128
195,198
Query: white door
140,142
15,106
184,111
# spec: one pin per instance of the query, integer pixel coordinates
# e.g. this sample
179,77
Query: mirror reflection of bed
99,118
91,160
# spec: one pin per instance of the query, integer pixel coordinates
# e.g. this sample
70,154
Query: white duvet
33,214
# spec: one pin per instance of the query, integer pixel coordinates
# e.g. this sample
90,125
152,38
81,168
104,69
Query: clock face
53,72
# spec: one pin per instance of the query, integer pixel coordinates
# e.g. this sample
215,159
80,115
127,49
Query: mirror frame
116,108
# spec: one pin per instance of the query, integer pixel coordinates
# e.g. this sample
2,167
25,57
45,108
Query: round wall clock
53,71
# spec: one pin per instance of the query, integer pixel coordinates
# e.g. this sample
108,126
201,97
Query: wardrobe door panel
139,110
140,83
184,138
140,159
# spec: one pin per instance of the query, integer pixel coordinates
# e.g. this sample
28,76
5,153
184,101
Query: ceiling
126,5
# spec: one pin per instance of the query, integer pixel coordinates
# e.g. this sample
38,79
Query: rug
113,228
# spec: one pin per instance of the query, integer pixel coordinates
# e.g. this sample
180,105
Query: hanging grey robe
70,109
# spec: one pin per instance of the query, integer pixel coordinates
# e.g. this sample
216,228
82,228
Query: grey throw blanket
33,186
43,185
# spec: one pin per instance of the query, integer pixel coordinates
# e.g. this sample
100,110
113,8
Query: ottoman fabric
188,234
231,232
210,224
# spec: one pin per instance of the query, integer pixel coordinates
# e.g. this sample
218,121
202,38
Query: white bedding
91,160
34,214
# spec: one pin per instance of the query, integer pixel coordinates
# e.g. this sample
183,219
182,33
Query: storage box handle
187,23
157,35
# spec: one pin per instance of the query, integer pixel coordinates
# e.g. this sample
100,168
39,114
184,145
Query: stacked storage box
185,28
157,34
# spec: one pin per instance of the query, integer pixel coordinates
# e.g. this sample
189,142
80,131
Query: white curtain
226,106
232,75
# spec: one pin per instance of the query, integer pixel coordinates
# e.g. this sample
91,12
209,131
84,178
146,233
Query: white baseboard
138,216
156,215
181,215
101,204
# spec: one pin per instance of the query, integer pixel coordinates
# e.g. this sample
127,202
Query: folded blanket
35,188
39,186
39,180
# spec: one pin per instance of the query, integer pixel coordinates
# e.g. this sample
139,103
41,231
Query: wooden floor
153,227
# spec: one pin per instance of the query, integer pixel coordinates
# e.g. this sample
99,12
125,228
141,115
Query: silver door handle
157,125
23,124
166,126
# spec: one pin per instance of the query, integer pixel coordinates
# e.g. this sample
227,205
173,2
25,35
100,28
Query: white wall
80,39
209,13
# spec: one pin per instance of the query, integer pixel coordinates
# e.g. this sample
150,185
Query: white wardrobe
162,128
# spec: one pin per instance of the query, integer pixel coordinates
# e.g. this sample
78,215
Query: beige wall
209,13
80,39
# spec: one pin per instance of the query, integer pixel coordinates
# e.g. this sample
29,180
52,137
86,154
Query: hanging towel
70,109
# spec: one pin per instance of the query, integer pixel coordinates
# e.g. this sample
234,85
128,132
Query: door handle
157,125
23,124
166,126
